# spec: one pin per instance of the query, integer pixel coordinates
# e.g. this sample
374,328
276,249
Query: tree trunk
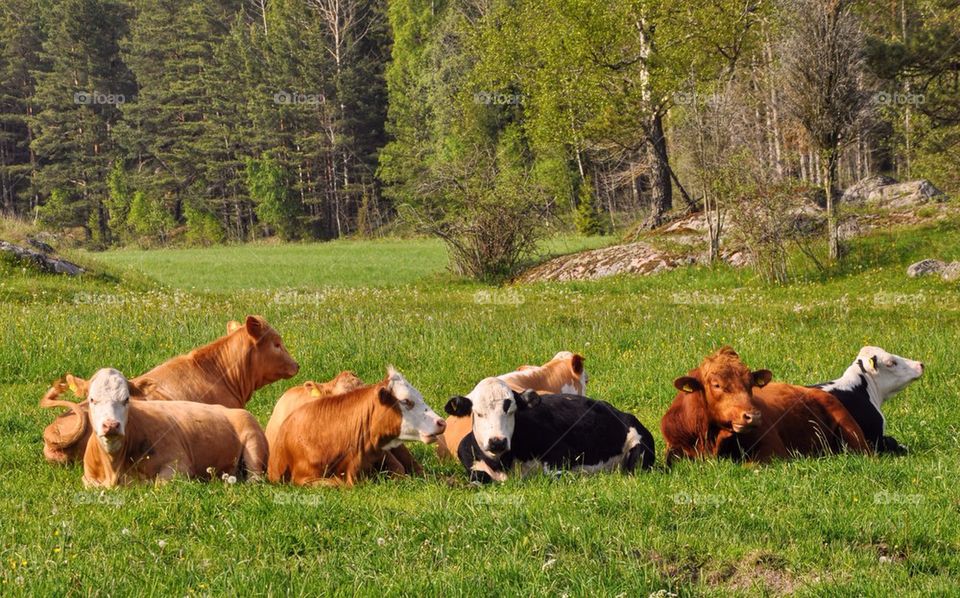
661,189
830,173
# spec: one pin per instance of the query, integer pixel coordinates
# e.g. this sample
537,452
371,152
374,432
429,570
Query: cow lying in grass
723,409
398,460
873,377
564,374
340,439
225,372
156,440
550,432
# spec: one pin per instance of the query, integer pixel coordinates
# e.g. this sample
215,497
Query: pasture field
843,525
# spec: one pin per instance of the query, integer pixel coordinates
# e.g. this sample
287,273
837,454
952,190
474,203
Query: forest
152,122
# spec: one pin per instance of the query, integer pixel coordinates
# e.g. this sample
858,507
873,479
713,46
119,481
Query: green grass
346,263
835,526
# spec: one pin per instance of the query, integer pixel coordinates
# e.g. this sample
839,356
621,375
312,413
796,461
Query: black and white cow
874,377
552,432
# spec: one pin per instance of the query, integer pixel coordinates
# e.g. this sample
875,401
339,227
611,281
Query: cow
157,440
873,377
341,439
298,395
550,432
564,374
398,460
225,372
722,409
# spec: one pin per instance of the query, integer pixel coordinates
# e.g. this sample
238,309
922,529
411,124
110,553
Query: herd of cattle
187,417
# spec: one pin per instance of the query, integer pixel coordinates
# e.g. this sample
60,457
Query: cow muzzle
748,421
439,426
497,445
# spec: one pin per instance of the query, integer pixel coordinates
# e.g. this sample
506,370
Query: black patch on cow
566,431
857,401
506,405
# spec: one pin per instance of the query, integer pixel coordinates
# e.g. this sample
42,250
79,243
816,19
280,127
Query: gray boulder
886,192
44,262
925,267
951,272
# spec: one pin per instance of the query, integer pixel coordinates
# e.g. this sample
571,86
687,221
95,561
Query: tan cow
340,439
225,372
156,440
564,374
300,395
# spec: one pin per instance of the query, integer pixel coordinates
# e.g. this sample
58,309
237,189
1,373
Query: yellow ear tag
761,383
73,387
687,388
314,393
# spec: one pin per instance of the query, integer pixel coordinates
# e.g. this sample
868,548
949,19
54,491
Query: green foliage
60,209
266,183
587,219
148,218
203,228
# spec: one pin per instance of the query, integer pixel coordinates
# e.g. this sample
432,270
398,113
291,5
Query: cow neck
853,377
113,465
379,423
229,359
541,377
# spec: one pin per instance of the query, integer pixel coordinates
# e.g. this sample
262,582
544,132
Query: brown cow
564,374
398,460
225,372
339,439
723,409
156,440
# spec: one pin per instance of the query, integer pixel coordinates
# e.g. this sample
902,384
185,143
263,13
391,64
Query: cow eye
276,345
407,403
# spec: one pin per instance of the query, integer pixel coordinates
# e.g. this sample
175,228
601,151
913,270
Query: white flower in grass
125,532
162,543
232,479
381,541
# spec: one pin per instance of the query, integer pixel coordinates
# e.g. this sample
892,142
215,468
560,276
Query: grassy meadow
843,525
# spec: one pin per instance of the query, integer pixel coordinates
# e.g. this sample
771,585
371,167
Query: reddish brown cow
723,409
225,372
340,439
398,460
564,374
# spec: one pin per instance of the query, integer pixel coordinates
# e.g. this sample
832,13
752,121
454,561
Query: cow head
108,397
575,374
418,420
891,373
726,384
493,406
270,360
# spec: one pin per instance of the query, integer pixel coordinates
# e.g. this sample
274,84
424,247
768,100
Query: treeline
204,119
472,119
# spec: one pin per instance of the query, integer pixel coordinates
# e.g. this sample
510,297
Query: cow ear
761,377
312,388
687,384
233,326
139,390
78,386
256,327
576,364
527,400
458,406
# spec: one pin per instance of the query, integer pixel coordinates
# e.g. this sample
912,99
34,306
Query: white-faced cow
156,440
873,377
552,432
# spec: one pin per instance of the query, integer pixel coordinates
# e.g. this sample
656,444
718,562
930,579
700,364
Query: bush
587,219
203,228
148,218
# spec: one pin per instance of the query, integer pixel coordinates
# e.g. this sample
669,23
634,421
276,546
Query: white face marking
891,373
418,421
494,409
109,401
